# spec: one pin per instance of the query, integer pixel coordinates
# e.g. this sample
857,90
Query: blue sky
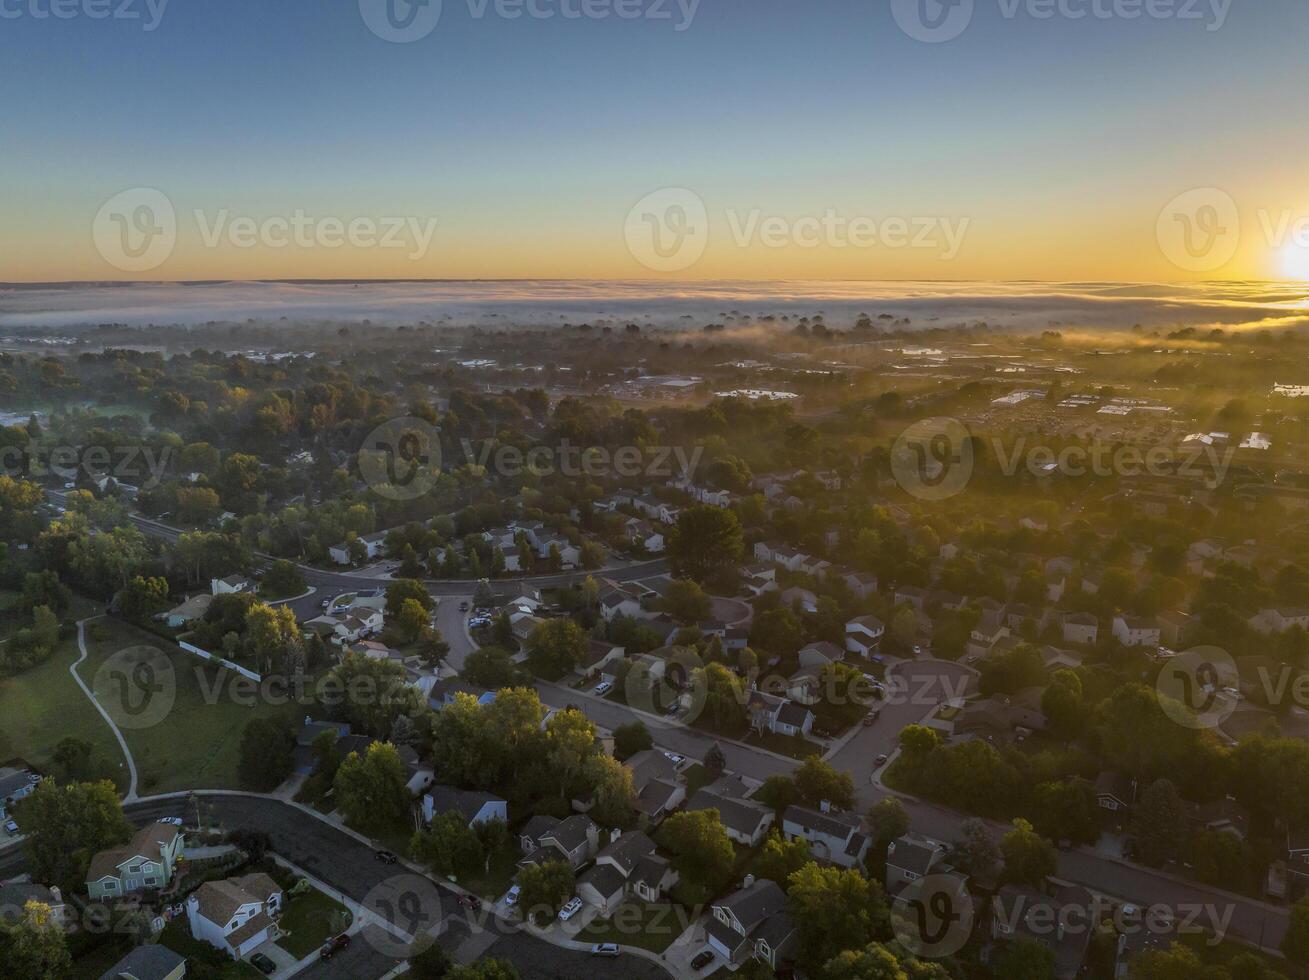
529,139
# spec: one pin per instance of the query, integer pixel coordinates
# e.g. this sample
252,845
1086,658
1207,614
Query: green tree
687,602
1066,810
267,754
817,782
282,579
706,542
371,789
1295,944
631,738
834,909
612,789
142,597
1158,823
888,820
570,742
411,621
702,852
431,963
448,846
492,667
779,858
485,969
556,647
34,948
1028,857
544,888
1025,959
66,825
406,588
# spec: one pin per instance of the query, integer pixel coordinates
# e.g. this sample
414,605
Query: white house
1269,621
863,635
373,546
348,625
146,862
782,716
477,807
803,599
832,836
1136,631
237,915
744,821
1081,628
229,585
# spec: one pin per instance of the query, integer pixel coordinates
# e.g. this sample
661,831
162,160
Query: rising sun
1295,262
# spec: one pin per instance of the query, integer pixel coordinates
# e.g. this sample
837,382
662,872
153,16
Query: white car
11,827
571,909
603,688
511,896
674,758
171,821
605,949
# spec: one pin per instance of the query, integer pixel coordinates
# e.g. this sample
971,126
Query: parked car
333,946
11,826
511,896
603,688
702,959
463,607
571,909
881,759
870,719
386,857
263,964
171,821
674,758
604,949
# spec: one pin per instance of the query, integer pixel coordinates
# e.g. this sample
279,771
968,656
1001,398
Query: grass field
196,745
308,920
42,705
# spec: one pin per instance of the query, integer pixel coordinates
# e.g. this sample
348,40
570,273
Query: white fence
199,652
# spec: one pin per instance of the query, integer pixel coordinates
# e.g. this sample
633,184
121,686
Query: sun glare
1295,262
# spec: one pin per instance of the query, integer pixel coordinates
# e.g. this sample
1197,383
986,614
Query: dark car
386,857
463,607
333,946
263,964
870,719
702,959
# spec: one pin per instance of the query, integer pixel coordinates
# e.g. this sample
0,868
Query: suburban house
752,923
989,631
910,858
1081,628
230,585
801,599
627,865
151,962
1114,791
545,838
658,790
1268,621
744,821
805,686
237,915
15,896
1136,631
187,612
910,595
347,625
645,534
863,635
862,584
781,716
372,545
146,862
994,717
623,600
475,806
1025,913
820,654
833,836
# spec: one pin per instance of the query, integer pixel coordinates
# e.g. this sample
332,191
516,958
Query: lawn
43,704
796,746
645,926
308,920
495,882
197,744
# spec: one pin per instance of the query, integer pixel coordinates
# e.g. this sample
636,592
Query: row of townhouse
862,584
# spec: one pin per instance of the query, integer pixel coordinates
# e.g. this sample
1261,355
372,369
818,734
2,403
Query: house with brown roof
145,863
236,915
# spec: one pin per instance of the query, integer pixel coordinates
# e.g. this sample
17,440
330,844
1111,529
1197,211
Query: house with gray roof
628,865
150,962
744,821
752,923
832,835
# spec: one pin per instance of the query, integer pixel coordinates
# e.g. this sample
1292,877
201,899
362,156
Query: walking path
131,796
